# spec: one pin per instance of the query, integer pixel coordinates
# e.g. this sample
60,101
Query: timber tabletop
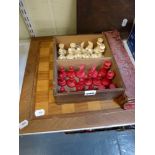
37,94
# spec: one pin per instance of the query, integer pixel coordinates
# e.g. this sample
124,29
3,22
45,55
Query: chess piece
92,73
78,54
97,82
100,48
82,81
110,75
72,47
62,52
85,56
89,48
79,87
102,73
105,82
71,72
88,81
112,86
101,87
82,48
62,89
62,73
94,55
71,83
71,51
107,64
91,87
61,82
70,55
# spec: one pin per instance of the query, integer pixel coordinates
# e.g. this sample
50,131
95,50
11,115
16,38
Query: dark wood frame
71,122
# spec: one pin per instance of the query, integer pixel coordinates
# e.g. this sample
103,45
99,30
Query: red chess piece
61,82
62,73
71,83
105,82
88,81
71,72
110,75
62,89
79,87
81,73
101,87
91,87
97,82
112,86
82,81
92,73
107,64
102,73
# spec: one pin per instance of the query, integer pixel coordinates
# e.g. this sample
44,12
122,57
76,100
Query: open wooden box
81,96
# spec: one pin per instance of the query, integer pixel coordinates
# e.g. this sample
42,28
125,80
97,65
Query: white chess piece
100,48
71,51
62,52
89,48
72,48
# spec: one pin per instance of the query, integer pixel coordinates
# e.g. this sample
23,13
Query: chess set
84,69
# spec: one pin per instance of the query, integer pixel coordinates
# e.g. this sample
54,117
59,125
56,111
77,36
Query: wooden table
37,94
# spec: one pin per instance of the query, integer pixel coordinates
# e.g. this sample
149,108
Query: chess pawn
61,57
62,89
86,56
62,73
82,81
92,73
81,72
107,64
77,54
70,55
101,87
105,82
71,83
112,86
61,82
71,72
99,55
94,55
97,82
102,73
91,87
110,75
79,86
88,81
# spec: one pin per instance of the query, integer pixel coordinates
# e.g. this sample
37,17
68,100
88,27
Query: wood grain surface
37,94
44,93
95,16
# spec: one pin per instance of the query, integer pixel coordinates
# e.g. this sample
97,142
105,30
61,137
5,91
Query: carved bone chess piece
62,52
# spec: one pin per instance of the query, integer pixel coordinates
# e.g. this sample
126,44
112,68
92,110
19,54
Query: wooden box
71,97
